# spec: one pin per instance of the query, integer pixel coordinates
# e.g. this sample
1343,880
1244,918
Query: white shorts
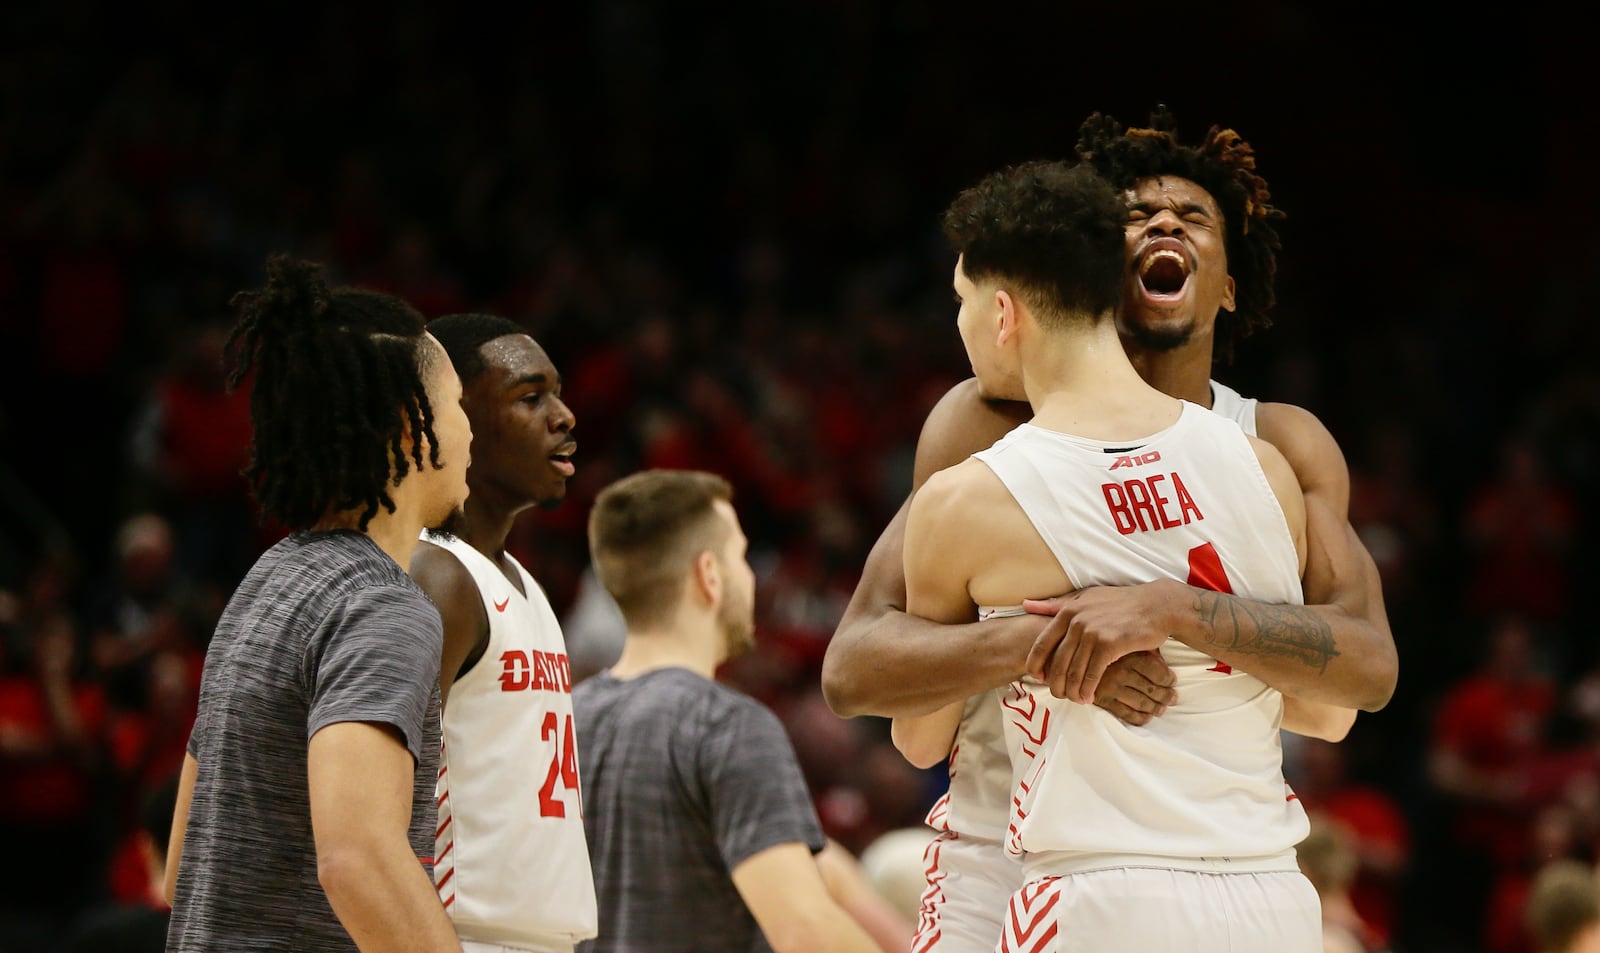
969,884
473,946
1160,910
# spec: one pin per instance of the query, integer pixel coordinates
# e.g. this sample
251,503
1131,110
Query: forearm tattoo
1266,630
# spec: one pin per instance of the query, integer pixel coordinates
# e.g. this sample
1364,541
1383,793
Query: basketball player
511,862
305,810
1220,215
699,820
1111,483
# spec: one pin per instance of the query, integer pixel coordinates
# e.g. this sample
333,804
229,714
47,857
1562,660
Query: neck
1079,380
485,526
395,533
1183,372
680,645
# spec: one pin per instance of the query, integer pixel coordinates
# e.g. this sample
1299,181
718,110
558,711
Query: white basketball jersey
511,862
1234,406
977,803
1205,780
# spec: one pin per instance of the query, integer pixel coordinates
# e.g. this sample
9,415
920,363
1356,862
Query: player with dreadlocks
1202,245
305,815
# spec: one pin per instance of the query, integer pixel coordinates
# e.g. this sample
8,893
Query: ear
1227,295
1008,317
708,578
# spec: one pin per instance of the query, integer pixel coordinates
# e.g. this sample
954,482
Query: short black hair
1053,228
1224,165
335,375
464,334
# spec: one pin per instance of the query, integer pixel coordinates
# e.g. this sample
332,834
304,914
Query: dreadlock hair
1224,165
1054,229
463,335
336,376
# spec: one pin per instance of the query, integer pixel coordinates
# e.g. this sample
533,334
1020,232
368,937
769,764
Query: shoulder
954,496
444,578
1303,440
962,423
1280,473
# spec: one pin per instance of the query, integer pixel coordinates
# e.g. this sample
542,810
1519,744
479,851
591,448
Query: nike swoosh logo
501,606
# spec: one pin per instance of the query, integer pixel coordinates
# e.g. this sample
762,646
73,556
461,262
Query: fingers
1045,646
1046,606
1131,682
1150,666
1099,659
1078,654
1126,714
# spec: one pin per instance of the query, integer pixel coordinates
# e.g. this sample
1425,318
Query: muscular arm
1337,648
882,661
937,578
466,624
361,778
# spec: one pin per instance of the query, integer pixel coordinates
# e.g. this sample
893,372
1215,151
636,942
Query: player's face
736,616
453,431
977,321
524,447
1177,264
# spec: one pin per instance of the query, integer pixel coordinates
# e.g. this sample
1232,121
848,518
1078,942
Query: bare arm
882,661
1316,720
180,823
784,889
850,887
466,624
361,779
938,574
1336,650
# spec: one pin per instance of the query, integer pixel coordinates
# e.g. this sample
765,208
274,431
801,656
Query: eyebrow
535,378
1183,209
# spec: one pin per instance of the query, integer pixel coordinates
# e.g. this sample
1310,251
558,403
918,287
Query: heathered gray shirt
683,780
325,628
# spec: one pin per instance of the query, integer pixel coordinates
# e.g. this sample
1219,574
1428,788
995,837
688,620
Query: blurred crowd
716,230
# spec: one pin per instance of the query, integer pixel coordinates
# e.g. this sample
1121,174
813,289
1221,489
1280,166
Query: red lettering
1185,501
563,765
1117,503
1207,572
1139,500
1161,503
1136,460
540,672
514,671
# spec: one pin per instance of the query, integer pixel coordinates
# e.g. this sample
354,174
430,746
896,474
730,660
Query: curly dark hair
335,376
1053,228
1224,165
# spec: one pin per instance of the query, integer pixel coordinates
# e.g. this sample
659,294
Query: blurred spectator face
145,547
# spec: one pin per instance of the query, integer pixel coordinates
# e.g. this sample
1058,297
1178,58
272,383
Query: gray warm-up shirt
325,628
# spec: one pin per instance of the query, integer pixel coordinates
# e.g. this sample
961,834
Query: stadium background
720,220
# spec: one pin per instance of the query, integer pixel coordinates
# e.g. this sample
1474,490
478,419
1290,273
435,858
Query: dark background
720,219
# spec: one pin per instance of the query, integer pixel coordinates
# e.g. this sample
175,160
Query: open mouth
1164,271
562,460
